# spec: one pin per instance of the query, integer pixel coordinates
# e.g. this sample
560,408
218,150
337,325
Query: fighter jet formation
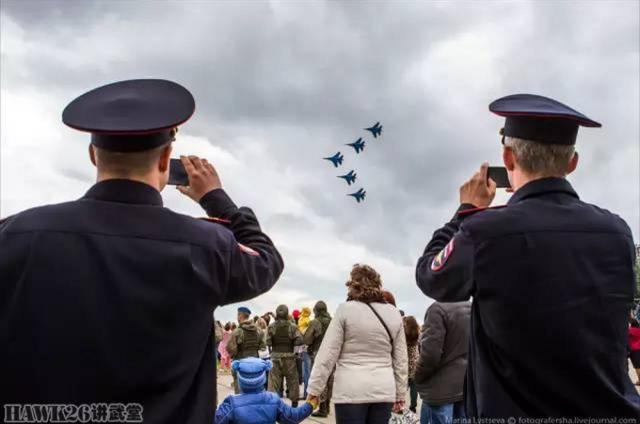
358,146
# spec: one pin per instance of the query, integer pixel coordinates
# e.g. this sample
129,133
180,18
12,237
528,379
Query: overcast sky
279,85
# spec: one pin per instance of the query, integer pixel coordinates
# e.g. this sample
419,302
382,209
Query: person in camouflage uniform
313,339
245,341
282,337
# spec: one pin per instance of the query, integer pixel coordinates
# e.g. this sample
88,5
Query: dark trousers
363,413
299,368
413,395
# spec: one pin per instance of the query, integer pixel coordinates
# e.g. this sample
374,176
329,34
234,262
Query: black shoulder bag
383,324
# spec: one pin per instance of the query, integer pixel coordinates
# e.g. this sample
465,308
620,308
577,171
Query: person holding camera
539,268
109,298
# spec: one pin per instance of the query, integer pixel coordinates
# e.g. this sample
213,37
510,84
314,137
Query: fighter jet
350,178
376,130
335,159
358,145
359,195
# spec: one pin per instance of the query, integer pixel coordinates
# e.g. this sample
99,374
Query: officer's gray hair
541,159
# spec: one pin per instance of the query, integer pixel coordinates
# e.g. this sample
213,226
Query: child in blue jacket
255,405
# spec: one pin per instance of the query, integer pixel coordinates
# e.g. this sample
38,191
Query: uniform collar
124,191
543,186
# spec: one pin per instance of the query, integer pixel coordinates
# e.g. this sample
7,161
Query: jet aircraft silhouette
376,130
336,159
350,178
359,195
357,145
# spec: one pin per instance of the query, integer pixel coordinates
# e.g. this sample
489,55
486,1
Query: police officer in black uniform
551,278
108,299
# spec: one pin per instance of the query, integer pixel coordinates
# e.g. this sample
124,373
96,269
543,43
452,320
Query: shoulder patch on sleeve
248,250
441,258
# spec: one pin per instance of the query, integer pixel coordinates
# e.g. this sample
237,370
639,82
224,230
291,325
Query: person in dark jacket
543,272
442,363
255,405
110,297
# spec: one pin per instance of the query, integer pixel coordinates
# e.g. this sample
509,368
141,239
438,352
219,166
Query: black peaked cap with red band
540,119
132,115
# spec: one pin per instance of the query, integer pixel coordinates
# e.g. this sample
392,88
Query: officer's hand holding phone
479,190
203,177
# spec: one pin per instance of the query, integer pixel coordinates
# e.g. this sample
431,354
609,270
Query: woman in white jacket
365,342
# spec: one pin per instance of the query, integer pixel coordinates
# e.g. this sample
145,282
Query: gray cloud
305,79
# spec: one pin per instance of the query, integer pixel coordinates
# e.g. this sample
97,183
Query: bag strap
382,322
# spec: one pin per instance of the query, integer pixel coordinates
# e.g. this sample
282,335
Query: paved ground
224,389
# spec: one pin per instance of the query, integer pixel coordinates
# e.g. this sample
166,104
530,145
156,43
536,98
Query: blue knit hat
251,374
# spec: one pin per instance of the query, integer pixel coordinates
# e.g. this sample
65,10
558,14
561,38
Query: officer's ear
165,158
92,154
509,158
573,163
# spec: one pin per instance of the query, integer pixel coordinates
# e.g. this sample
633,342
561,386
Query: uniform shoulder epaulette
216,220
468,212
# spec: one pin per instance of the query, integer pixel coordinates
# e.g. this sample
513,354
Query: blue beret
244,310
539,118
132,115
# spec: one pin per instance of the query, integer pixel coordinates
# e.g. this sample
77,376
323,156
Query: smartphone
177,173
499,175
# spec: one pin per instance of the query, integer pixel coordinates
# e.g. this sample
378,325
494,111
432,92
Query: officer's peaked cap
132,115
538,118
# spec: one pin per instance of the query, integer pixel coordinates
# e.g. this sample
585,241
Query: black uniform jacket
552,283
109,299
